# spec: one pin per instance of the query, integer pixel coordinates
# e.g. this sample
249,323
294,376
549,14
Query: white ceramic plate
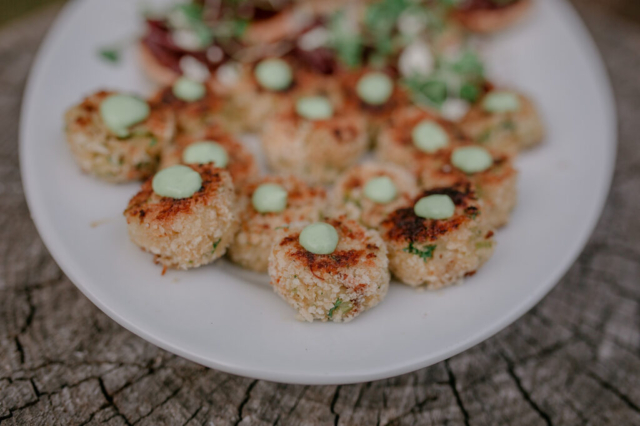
229,319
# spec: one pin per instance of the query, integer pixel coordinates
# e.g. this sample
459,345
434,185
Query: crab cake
376,94
315,140
368,192
495,182
185,232
489,16
412,134
336,286
237,159
260,223
504,121
124,147
267,87
438,252
196,107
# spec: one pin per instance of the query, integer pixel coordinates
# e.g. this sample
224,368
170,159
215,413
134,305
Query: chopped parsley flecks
425,254
110,54
335,306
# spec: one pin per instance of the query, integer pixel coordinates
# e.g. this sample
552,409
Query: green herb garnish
425,254
335,306
215,246
110,55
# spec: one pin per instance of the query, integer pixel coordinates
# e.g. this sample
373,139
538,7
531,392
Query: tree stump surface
573,360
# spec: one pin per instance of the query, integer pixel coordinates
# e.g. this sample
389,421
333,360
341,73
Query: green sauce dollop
314,108
188,90
176,182
274,74
501,101
471,159
119,112
381,190
319,238
428,136
269,198
206,152
375,88
435,207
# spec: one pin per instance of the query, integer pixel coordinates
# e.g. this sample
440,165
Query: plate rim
63,259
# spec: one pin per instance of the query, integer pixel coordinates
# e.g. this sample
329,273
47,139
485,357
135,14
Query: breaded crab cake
184,233
489,16
260,224
196,107
267,87
376,94
337,286
240,162
495,183
315,140
120,150
370,191
504,121
412,134
435,253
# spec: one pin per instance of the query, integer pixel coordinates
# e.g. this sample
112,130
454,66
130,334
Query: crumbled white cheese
454,109
194,69
228,74
313,39
186,39
416,58
215,54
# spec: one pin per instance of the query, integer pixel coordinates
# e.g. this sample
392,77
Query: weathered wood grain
573,360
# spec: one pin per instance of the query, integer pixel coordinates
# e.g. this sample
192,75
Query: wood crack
246,398
456,394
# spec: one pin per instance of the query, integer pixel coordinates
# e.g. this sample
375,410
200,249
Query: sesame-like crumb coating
98,151
333,287
252,243
189,232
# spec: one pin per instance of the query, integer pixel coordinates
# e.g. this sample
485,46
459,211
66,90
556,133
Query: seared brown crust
405,226
147,206
485,17
336,262
496,186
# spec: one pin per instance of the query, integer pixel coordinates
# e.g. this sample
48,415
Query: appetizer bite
504,121
268,87
196,107
185,215
314,139
368,192
493,176
439,239
213,145
412,134
118,137
376,94
330,271
489,16
267,207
